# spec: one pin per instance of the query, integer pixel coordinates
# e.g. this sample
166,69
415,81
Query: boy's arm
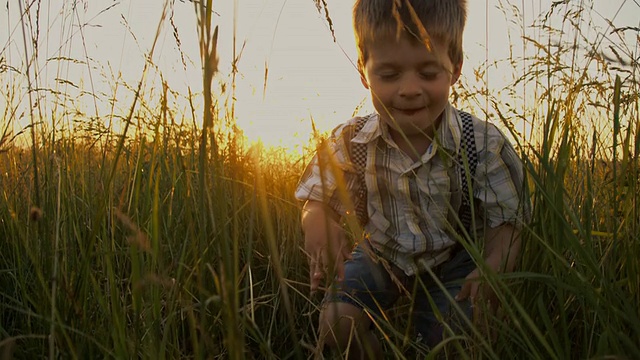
501,247
500,189
325,187
324,242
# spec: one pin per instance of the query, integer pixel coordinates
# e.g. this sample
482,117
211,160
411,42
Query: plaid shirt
413,205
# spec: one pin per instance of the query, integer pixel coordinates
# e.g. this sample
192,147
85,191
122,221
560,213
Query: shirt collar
450,131
370,131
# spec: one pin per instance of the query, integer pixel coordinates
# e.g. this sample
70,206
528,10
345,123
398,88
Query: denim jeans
374,285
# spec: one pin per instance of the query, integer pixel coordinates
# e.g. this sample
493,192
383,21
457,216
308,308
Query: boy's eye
429,75
388,76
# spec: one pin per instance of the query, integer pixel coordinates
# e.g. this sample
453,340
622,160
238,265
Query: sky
309,74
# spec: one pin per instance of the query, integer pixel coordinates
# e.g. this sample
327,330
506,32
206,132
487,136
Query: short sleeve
330,176
500,185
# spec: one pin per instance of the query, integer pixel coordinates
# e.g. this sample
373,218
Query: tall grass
169,240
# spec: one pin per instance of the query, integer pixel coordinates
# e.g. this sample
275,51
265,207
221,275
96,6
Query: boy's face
409,84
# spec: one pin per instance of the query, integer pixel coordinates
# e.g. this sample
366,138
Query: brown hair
419,20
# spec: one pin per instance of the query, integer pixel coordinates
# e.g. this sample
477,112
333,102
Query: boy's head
409,56
421,21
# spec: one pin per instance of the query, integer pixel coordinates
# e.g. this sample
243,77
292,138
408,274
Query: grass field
166,240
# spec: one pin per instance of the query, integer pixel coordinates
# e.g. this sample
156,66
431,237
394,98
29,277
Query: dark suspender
359,159
467,159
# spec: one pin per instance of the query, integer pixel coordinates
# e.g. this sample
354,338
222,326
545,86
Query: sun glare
287,68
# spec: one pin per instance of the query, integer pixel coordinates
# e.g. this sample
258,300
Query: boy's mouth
409,111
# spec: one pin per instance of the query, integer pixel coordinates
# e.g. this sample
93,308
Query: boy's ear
364,82
363,79
457,70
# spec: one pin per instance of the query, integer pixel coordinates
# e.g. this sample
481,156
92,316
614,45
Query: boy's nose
410,87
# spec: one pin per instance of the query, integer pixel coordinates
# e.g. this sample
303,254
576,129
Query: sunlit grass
166,239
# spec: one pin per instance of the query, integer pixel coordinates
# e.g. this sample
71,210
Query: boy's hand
325,244
479,294
502,246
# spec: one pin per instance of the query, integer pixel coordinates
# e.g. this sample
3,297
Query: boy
409,56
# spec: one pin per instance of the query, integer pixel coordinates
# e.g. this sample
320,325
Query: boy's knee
341,324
